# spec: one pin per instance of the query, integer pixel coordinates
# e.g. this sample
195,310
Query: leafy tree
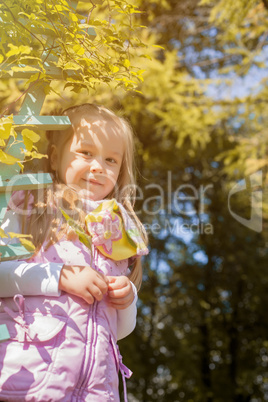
61,43
201,332
202,325
65,38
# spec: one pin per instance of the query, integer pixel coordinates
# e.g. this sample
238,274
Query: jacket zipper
91,339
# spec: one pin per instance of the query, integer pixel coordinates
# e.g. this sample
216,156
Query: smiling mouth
95,182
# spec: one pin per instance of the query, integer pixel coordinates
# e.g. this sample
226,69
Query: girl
61,345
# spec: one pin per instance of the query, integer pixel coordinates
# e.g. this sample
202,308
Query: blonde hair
46,225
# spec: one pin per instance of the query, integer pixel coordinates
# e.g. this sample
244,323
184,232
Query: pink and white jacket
60,347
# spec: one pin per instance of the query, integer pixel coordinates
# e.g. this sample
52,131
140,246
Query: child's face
90,160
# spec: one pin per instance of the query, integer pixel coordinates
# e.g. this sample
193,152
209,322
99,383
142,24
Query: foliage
202,325
201,332
66,39
24,239
10,138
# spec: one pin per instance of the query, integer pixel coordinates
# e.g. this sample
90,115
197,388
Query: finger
103,278
88,298
120,304
119,293
112,286
101,285
120,283
96,292
113,282
111,279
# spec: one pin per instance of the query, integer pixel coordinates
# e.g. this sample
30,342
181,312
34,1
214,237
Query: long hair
46,224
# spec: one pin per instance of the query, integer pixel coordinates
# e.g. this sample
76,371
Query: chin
89,195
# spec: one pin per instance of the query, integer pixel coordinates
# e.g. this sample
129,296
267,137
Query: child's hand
120,292
84,282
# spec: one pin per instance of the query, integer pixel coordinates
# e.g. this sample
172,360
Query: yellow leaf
29,137
25,49
34,137
7,159
73,17
26,68
79,50
35,154
71,66
27,244
28,143
159,47
114,69
126,63
14,235
5,127
1,58
58,7
15,50
34,77
2,233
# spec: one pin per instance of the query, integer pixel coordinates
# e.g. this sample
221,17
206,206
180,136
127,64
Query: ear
54,157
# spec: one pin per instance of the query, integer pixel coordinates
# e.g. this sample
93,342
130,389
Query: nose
96,166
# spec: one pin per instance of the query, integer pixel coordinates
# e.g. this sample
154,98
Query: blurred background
199,113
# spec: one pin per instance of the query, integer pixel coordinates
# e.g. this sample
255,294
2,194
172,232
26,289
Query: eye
111,160
86,153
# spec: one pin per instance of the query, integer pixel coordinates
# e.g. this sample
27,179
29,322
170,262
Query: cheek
113,174
73,170
113,182
69,176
